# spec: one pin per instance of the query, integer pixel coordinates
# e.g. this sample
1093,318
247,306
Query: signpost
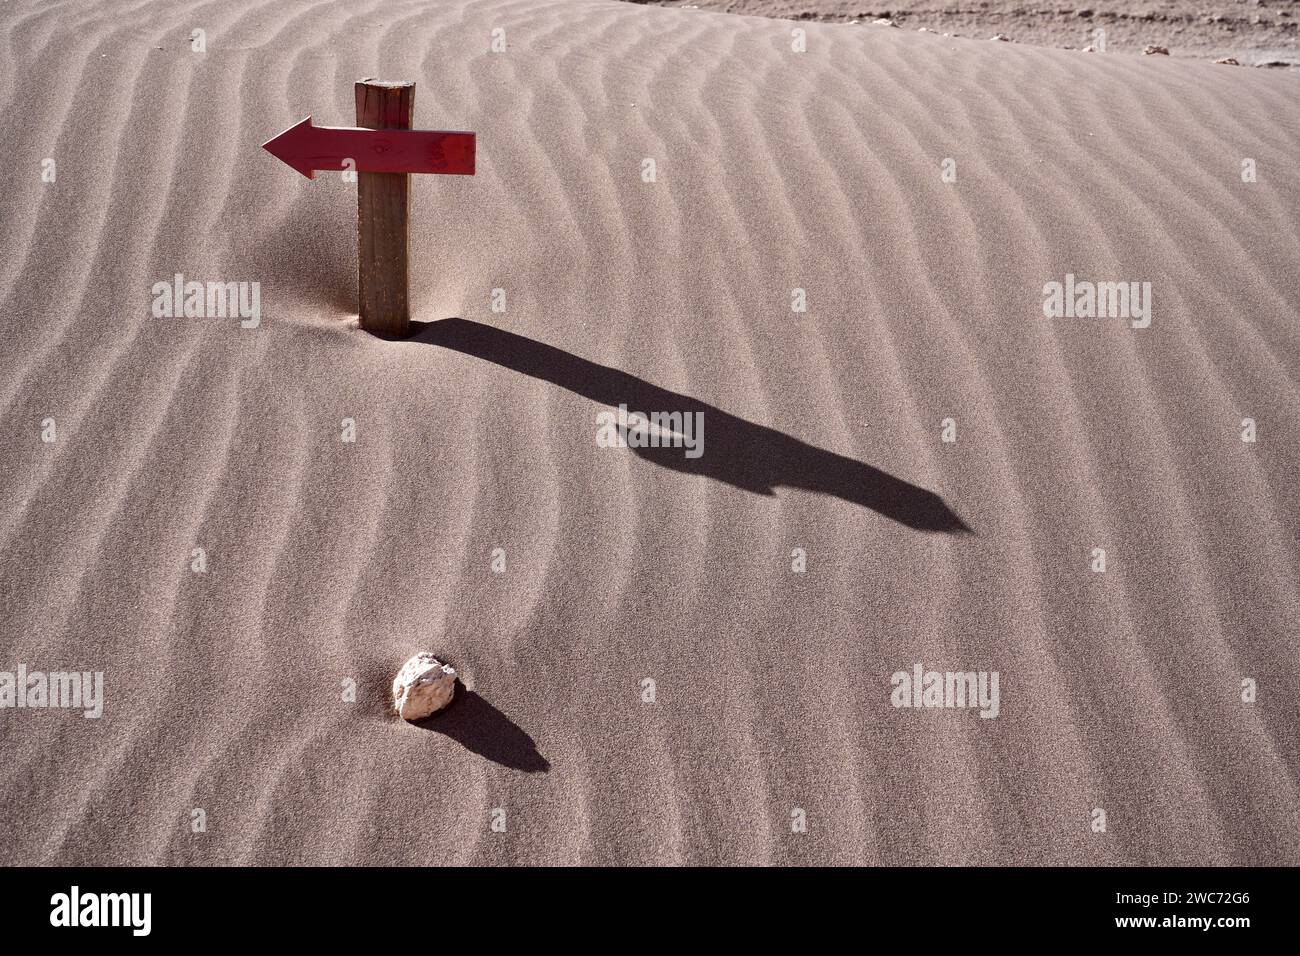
384,151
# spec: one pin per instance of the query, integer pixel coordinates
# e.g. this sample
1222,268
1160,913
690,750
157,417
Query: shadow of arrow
737,452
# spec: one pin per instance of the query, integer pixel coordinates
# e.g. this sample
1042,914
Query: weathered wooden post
383,150
383,215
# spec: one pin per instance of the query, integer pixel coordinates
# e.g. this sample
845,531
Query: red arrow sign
307,148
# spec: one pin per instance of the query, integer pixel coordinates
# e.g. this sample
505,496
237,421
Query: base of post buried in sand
423,686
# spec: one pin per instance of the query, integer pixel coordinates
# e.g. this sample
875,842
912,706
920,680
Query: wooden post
383,211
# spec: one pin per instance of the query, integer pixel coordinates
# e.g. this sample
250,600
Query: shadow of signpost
738,452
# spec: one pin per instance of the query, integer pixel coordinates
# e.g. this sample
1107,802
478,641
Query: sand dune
329,561
1254,32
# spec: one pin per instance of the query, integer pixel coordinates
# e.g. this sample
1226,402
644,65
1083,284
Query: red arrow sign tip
290,147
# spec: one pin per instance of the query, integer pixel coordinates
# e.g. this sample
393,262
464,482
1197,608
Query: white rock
423,686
